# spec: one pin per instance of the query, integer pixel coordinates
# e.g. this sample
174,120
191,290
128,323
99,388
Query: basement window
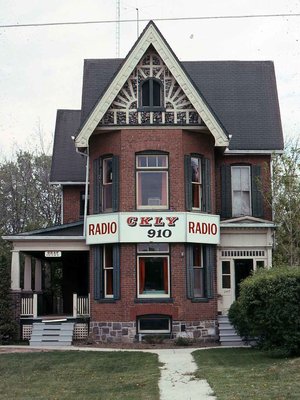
154,324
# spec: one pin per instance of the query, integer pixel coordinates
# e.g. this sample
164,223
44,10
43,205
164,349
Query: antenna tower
118,7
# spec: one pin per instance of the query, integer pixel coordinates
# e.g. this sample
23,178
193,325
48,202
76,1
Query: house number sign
153,227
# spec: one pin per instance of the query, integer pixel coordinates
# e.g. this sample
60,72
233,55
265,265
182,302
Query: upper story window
106,184
107,180
152,181
151,93
82,204
197,182
241,190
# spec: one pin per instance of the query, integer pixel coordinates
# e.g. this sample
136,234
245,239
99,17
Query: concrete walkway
177,381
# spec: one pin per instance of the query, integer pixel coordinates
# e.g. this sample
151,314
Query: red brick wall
71,203
262,160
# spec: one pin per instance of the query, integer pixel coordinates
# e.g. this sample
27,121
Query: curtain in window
142,275
166,277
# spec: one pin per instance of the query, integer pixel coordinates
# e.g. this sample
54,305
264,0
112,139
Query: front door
242,269
230,274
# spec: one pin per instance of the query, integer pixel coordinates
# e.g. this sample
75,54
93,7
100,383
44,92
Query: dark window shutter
209,259
257,198
188,182
189,272
226,206
116,264
98,267
206,185
97,169
115,183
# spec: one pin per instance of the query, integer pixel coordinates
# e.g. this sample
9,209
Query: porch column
15,270
27,274
38,275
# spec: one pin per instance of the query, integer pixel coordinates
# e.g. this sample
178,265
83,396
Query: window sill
154,300
200,300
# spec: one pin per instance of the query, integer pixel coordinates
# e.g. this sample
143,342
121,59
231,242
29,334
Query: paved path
177,380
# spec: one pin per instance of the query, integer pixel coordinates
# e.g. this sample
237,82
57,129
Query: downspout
86,192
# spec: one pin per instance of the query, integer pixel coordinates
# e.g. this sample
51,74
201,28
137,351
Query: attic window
151,93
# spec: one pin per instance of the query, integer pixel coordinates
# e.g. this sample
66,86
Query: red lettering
132,221
145,221
214,229
113,227
158,221
171,220
91,229
191,227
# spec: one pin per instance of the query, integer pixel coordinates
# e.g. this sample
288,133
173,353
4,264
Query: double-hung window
106,261
197,183
200,266
153,270
151,94
106,184
241,190
152,181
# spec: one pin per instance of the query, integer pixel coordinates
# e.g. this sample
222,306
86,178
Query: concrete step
48,334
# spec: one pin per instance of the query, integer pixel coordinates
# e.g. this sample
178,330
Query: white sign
52,253
141,227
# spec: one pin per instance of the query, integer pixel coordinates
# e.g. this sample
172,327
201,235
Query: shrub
269,309
8,326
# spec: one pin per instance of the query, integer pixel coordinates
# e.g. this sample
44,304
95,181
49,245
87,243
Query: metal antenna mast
118,28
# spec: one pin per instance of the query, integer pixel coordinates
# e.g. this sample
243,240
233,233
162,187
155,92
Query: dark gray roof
241,94
67,164
72,229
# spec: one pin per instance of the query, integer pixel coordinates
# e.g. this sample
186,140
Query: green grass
248,374
79,375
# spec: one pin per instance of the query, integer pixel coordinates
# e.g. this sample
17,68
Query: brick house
162,173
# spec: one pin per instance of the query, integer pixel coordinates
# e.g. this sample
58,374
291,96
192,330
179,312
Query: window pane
196,169
152,188
198,282
146,94
107,170
153,247
162,161
108,252
156,94
196,195
152,161
197,255
260,264
225,267
154,324
142,161
153,275
226,281
107,197
108,282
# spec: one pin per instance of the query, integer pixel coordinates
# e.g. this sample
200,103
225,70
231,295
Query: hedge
268,309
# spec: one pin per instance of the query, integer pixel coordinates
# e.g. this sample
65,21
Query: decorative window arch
151,93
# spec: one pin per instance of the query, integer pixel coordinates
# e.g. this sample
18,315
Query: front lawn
65,375
248,374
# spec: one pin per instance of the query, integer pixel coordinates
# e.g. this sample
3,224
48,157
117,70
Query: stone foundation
108,332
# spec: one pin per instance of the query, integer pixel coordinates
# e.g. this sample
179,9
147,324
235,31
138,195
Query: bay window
152,181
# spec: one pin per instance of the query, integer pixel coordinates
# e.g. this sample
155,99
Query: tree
8,326
285,200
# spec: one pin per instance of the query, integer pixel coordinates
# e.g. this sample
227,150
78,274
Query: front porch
50,277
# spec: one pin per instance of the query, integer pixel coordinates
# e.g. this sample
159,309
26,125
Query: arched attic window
151,93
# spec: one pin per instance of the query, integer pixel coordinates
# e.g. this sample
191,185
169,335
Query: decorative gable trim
151,36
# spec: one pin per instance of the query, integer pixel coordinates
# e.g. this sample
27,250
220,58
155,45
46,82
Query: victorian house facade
163,173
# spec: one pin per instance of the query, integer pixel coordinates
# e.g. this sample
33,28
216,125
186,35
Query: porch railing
81,305
29,305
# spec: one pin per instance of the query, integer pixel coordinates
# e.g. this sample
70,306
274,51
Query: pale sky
41,67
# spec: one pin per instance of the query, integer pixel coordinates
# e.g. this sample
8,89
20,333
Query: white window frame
152,254
202,269
152,169
240,167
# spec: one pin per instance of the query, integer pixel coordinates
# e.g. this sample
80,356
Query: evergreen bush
8,326
268,309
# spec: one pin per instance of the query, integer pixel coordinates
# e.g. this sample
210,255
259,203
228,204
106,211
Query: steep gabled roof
67,165
151,36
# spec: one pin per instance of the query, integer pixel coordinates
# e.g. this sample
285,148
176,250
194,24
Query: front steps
52,333
227,334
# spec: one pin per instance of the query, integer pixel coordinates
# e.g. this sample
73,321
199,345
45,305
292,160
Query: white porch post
35,305
38,275
15,270
27,274
75,305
